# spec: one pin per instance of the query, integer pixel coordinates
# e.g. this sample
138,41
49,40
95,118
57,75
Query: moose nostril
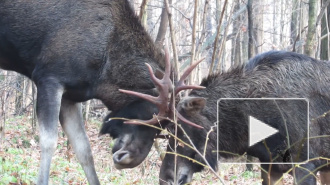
120,156
183,179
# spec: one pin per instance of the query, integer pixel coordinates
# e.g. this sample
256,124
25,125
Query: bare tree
310,41
325,22
251,45
236,41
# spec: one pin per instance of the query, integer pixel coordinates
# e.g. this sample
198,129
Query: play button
259,131
274,130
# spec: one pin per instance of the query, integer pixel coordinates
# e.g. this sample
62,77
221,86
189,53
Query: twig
270,157
217,37
143,8
207,139
298,36
191,145
173,39
287,134
193,40
190,159
323,8
222,45
197,151
203,33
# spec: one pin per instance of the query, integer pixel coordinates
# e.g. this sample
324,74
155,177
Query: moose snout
121,158
183,179
180,180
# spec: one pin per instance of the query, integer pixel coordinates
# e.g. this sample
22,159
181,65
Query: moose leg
73,126
273,177
48,107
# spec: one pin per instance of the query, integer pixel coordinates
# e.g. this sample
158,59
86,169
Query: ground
20,153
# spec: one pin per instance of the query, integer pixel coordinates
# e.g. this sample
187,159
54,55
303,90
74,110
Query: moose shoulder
273,74
75,51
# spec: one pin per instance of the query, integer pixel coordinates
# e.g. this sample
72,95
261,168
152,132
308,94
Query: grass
20,154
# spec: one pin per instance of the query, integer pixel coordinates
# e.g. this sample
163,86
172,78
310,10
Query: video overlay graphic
274,130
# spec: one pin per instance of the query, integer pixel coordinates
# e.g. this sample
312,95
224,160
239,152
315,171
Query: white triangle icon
259,131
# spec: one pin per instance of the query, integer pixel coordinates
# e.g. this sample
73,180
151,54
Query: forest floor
20,154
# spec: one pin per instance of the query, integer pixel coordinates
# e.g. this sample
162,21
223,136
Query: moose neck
125,67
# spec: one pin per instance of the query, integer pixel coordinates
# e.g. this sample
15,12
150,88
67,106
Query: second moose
273,74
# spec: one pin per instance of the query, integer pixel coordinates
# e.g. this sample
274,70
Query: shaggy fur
76,50
275,74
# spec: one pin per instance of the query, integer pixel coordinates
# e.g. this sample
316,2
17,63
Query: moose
75,51
274,74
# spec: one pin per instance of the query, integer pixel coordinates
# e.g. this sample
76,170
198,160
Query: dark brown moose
275,74
75,51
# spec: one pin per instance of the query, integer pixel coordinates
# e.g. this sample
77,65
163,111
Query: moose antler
180,86
164,86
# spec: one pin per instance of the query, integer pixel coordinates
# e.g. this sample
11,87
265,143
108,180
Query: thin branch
162,28
323,8
199,153
189,158
143,8
173,39
223,43
203,33
207,139
217,37
193,39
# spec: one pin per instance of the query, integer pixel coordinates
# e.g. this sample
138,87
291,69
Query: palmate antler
164,87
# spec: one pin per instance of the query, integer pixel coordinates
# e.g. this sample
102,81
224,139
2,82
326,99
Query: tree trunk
19,94
162,27
219,22
310,41
3,110
251,48
282,21
143,13
193,40
325,22
275,23
236,41
294,21
34,112
258,25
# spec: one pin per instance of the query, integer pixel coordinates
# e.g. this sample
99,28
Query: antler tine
155,80
188,70
180,84
187,121
163,85
186,87
147,97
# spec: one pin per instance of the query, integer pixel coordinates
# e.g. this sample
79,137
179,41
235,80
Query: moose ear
107,123
193,103
105,127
